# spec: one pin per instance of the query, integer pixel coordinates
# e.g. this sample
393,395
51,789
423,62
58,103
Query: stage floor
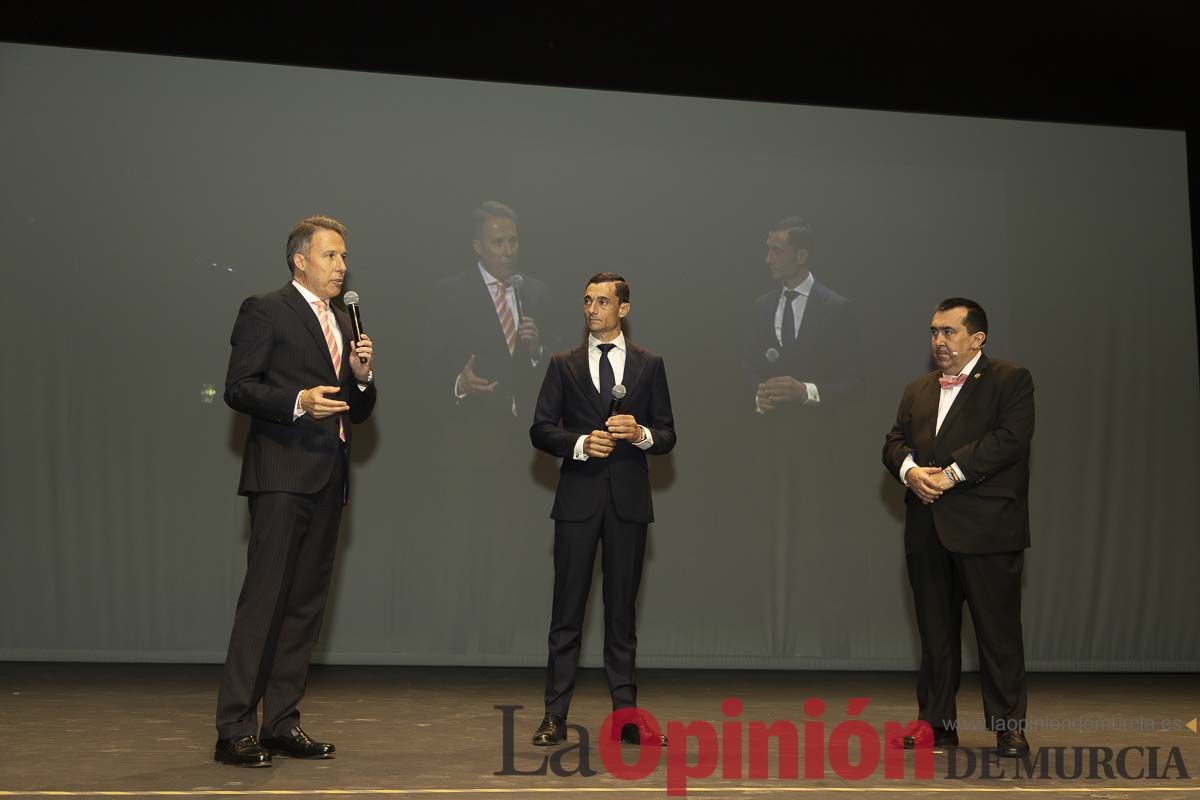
143,730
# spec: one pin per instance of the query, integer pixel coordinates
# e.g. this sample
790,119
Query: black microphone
614,405
517,281
351,301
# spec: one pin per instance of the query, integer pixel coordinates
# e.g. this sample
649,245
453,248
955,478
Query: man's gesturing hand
470,383
315,402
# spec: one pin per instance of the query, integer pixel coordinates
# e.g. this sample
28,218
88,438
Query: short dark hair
300,238
489,209
799,232
976,320
621,285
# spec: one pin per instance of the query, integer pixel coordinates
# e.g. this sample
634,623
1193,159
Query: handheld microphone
517,281
614,405
351,301
772,355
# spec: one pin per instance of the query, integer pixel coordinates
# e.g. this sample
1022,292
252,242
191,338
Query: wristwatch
950,476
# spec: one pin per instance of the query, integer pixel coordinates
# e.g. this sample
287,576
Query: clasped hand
780,390
927,483
599,444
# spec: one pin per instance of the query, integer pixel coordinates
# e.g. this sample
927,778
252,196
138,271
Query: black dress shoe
921,736
242,751
1012,744
552,731
636,733
297,745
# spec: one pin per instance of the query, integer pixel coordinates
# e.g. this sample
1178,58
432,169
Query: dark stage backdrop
145,197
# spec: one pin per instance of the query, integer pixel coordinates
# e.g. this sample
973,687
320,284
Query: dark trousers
991,585
289,563
624,547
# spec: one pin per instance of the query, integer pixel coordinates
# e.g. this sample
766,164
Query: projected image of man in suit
297,371
495,346
603,497
802,357
961,444
802,344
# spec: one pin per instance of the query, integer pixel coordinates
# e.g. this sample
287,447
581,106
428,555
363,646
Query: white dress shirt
945,400
616,357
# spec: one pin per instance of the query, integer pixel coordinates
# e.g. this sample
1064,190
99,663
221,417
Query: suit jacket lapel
964,395
635,362
577,365
309,319
770,306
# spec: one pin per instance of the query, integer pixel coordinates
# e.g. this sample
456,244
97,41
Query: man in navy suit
297,371
961,444
603,496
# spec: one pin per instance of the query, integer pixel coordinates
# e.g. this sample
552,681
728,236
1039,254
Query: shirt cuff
908,464
458,396
579,455
814,397
298,411
648,442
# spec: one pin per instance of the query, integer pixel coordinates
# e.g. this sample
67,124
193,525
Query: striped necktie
335,352
505,315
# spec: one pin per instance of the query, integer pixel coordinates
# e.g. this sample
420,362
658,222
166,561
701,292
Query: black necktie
607,379
787,331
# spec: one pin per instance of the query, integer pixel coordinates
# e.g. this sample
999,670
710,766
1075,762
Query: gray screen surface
147,196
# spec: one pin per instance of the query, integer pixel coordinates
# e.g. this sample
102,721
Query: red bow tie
950,383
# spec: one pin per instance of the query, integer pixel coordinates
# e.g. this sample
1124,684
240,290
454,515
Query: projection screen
147,196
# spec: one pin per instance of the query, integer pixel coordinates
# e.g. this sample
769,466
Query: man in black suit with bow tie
603,496
303,379
961,445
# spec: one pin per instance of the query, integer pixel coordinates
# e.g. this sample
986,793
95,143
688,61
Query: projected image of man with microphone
602,407
802,359
494,349
802,348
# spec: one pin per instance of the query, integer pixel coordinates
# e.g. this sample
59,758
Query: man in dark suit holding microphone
298,371
961,445
603,495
